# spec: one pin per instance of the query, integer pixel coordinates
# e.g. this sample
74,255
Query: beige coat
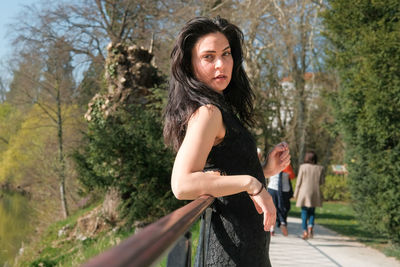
309,179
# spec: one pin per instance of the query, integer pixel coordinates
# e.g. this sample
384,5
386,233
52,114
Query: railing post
181,254
204,235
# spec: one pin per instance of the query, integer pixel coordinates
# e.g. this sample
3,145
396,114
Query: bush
43,263
126,150
335,188
364,37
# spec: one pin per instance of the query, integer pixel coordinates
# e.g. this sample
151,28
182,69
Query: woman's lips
220,77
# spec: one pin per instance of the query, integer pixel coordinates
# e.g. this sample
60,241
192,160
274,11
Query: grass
340,217
55,250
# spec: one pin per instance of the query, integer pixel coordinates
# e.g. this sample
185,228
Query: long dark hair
187,93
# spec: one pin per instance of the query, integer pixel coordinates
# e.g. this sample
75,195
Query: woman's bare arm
189,181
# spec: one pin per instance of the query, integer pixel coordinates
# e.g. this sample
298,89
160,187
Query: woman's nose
219,63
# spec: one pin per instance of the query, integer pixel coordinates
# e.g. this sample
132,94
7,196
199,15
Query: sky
8,10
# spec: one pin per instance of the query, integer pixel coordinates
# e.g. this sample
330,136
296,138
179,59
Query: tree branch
4,140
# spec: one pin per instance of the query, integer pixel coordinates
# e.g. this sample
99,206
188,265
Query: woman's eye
208,56
227,53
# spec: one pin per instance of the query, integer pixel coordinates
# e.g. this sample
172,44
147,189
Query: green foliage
30,157
126,150
365,37
335,188
21,159
43,263
10,122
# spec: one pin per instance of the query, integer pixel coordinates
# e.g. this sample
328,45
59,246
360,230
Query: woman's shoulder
208,112
304,165
207,119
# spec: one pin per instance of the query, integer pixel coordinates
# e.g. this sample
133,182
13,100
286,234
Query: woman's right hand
264,205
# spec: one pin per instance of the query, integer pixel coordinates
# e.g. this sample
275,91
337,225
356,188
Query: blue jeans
307,214
281,212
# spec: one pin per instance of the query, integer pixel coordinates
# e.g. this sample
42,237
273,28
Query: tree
46,81
59,87
26,71
282,43
364,51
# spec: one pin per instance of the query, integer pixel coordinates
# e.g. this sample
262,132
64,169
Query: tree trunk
301,115
2,92
63,198
302,130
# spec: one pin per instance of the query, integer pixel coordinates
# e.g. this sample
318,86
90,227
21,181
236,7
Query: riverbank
7,188
73,241
15,224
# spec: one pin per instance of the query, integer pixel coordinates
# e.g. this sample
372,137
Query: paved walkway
326,249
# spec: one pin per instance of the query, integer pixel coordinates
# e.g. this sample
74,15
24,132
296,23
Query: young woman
210,102
280,188
308,192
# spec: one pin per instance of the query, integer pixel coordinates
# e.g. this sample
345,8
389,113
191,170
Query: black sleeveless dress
237,236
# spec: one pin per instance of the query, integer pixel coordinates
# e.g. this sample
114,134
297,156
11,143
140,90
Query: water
14,224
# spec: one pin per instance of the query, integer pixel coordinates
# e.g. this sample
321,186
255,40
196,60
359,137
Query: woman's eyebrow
213,51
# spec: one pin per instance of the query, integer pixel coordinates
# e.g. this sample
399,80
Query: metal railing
150,244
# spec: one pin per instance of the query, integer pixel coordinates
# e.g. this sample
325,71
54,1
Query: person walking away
210,106
308,193
280,188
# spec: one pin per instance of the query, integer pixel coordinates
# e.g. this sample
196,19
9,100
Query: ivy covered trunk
125,148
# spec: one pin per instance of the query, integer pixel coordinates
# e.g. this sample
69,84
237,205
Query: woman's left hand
265,205
278,159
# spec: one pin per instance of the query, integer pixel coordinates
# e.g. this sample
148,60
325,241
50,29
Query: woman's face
212,61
